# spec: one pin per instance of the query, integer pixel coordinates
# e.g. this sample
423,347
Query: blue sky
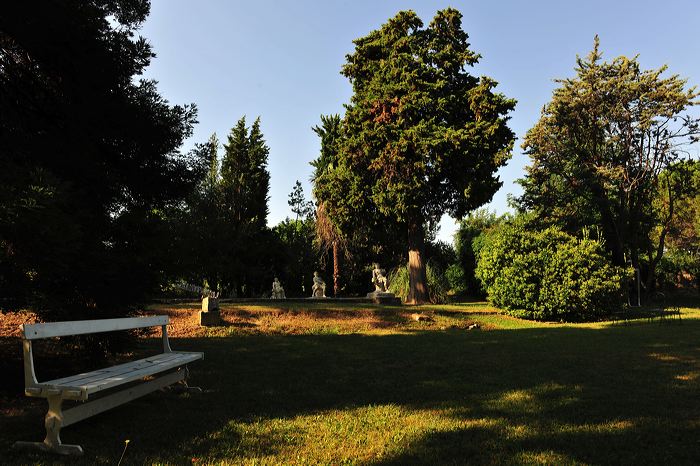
280,60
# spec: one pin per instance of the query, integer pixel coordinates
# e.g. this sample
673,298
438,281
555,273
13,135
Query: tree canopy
89,156
599,148
677,203
222,227
423,136
244,176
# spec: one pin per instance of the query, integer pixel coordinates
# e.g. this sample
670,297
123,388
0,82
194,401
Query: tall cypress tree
258,153
213,174
245,185
234,171
244,175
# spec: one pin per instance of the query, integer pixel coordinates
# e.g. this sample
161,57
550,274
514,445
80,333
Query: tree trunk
613,233
336,270
654,260
418,291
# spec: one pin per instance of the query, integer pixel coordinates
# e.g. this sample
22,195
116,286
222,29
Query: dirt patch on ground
184,321
57,357
10,322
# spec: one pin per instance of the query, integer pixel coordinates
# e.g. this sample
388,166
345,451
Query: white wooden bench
169,366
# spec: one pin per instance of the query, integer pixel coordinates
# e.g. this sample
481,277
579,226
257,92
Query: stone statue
381,293
277,290
318,290
379,279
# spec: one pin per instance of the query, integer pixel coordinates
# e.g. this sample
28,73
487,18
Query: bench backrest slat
83,327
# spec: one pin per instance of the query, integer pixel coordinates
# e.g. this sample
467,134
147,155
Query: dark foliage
88,158
221,230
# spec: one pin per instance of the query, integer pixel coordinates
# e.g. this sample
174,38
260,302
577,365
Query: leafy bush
678,269
468,240
438,286
549,275
456,279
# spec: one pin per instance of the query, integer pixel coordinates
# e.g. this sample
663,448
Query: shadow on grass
554,395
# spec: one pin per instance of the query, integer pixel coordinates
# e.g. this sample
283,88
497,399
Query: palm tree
327,234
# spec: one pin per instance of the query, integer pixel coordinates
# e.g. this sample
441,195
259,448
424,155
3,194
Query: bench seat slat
83,327
87,378
102,379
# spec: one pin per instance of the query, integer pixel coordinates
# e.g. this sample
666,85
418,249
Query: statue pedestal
209,319
210,304
384,297
210,316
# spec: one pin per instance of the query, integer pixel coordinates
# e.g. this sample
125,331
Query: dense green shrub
438,286
468,239
549,275
454,274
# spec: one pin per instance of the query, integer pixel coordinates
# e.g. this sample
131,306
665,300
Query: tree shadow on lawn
562,394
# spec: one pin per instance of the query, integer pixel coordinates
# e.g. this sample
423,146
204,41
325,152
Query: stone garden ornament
318,290
379,279
277,290
381,293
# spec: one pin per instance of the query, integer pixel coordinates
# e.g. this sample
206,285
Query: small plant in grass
549,275
126,445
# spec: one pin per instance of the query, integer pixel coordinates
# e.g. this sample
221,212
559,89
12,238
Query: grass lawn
360,384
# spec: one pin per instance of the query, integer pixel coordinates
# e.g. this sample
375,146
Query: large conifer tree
244,175
245,185
423,136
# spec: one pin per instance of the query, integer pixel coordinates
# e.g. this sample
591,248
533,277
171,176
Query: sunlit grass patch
542,457
608,427
535,400
664,357
355,435
689,377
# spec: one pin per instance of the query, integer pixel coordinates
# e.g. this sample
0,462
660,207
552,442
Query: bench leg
183,387
53,423
187,387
